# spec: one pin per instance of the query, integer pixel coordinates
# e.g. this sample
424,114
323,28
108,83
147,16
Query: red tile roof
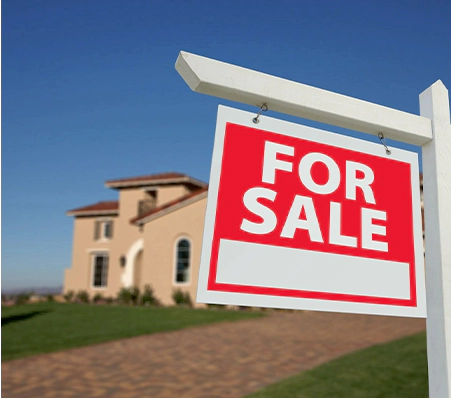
180,201
99,208
155,179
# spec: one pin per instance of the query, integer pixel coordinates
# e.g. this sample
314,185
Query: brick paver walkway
222,360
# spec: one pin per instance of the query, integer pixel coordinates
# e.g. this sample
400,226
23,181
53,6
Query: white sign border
225,115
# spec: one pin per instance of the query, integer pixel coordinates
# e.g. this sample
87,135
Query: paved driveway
222,360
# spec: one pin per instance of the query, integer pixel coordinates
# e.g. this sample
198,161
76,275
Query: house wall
170,192
80,276
137,274
127,235
128,203
159,257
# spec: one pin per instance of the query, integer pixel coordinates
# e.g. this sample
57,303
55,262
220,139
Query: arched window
183,261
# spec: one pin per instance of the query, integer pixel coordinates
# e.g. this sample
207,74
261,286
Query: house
151,235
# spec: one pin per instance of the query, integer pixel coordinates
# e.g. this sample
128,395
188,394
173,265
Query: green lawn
397,369
45,327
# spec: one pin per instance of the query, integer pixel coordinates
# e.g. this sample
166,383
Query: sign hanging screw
384,143
263,108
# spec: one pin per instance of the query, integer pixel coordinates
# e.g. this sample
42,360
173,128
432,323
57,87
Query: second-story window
103,229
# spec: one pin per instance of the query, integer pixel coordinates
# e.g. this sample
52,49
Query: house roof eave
154,179
97,209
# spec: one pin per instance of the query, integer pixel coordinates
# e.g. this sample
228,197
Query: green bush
216,306
134,295
148,297
124,296
69,296
82,297
97,297
50,298
129,295
22,298
181,298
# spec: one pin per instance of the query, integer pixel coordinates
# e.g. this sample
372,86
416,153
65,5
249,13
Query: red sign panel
303,218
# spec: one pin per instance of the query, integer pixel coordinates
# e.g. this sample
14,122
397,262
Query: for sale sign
307,219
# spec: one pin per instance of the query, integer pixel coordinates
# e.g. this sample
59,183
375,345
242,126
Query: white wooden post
434,104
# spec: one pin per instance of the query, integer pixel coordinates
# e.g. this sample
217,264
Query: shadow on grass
22,317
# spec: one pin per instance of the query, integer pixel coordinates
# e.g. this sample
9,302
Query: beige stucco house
151,235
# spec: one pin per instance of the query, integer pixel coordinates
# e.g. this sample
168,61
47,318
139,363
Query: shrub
50,298
216,306
134,295
109,300
148,297
124,296
22,298
181,298
97,297
82,297
128,295
69,296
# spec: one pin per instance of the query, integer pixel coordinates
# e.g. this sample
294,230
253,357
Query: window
103,229
148,203
100,270
182,261
108,229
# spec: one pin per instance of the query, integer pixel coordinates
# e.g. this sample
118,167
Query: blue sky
90,93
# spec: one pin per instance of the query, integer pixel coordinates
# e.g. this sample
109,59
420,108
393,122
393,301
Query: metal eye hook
383,142
263,108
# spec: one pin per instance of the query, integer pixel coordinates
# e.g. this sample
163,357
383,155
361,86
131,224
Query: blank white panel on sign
240,263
